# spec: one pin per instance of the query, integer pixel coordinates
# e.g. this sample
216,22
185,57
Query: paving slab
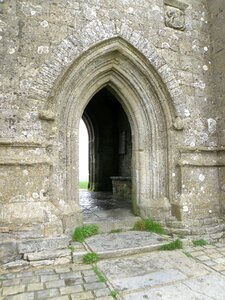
139,265
202,288
163,275
124,243
148,280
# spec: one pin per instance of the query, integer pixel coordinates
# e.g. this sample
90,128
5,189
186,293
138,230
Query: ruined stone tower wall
41,44
217,32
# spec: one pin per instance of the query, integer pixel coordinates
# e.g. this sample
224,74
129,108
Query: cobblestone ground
212,256
70,282
80,282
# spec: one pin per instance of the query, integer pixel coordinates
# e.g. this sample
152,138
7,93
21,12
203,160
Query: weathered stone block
52,254
43,244
8,252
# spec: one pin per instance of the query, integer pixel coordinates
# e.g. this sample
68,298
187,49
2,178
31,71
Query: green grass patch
101,277
199,243
187,254
177,244
149,225
116,230
81,233
83,185
113,294
72,248
90,258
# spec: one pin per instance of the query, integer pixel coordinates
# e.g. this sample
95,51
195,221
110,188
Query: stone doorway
114,68
110,158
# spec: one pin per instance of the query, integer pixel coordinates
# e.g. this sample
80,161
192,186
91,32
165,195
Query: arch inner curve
116,67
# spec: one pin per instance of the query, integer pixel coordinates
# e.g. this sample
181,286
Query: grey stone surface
142,276
16,264
94,286
117,244
78,256
71,289
82,296
118,214
8,252
139,265
204,288
43,244
42,255
24,296
45,294
148,280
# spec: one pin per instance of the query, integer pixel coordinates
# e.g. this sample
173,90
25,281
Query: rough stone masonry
163,61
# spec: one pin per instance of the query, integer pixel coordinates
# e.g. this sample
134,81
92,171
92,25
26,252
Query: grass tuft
72,248
199,243
187,254
99,274
149,225
90,258
116,230
173,245
113,294
81,233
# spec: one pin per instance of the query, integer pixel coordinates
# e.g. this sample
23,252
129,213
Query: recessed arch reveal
117,65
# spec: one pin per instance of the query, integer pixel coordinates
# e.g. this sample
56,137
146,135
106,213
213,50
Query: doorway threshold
108,213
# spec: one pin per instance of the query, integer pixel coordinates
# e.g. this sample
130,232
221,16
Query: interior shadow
110,155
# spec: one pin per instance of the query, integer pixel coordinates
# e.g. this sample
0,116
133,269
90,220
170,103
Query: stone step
109,245
105,227
175,224
106,224
37,245
43,255
17,264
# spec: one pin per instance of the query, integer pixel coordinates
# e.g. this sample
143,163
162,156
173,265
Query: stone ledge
43,244
24,161
42,255
202,157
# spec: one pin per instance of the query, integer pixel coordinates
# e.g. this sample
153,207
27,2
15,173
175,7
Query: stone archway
126,72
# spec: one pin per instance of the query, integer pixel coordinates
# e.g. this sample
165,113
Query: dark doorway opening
110,154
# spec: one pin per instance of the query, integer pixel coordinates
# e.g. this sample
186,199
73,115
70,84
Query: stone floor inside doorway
104,209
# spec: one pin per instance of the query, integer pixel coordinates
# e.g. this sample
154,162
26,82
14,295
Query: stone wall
42,45
217,32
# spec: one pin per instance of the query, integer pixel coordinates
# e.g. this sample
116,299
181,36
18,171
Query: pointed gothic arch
117,65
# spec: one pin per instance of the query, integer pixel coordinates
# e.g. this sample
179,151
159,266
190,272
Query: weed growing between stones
90,258
188,254
177,244
113,294
81,233
72,248
199,243
116,230
99,274
149,225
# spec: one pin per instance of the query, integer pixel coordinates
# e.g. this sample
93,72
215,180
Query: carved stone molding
174,18
47,115
178,124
